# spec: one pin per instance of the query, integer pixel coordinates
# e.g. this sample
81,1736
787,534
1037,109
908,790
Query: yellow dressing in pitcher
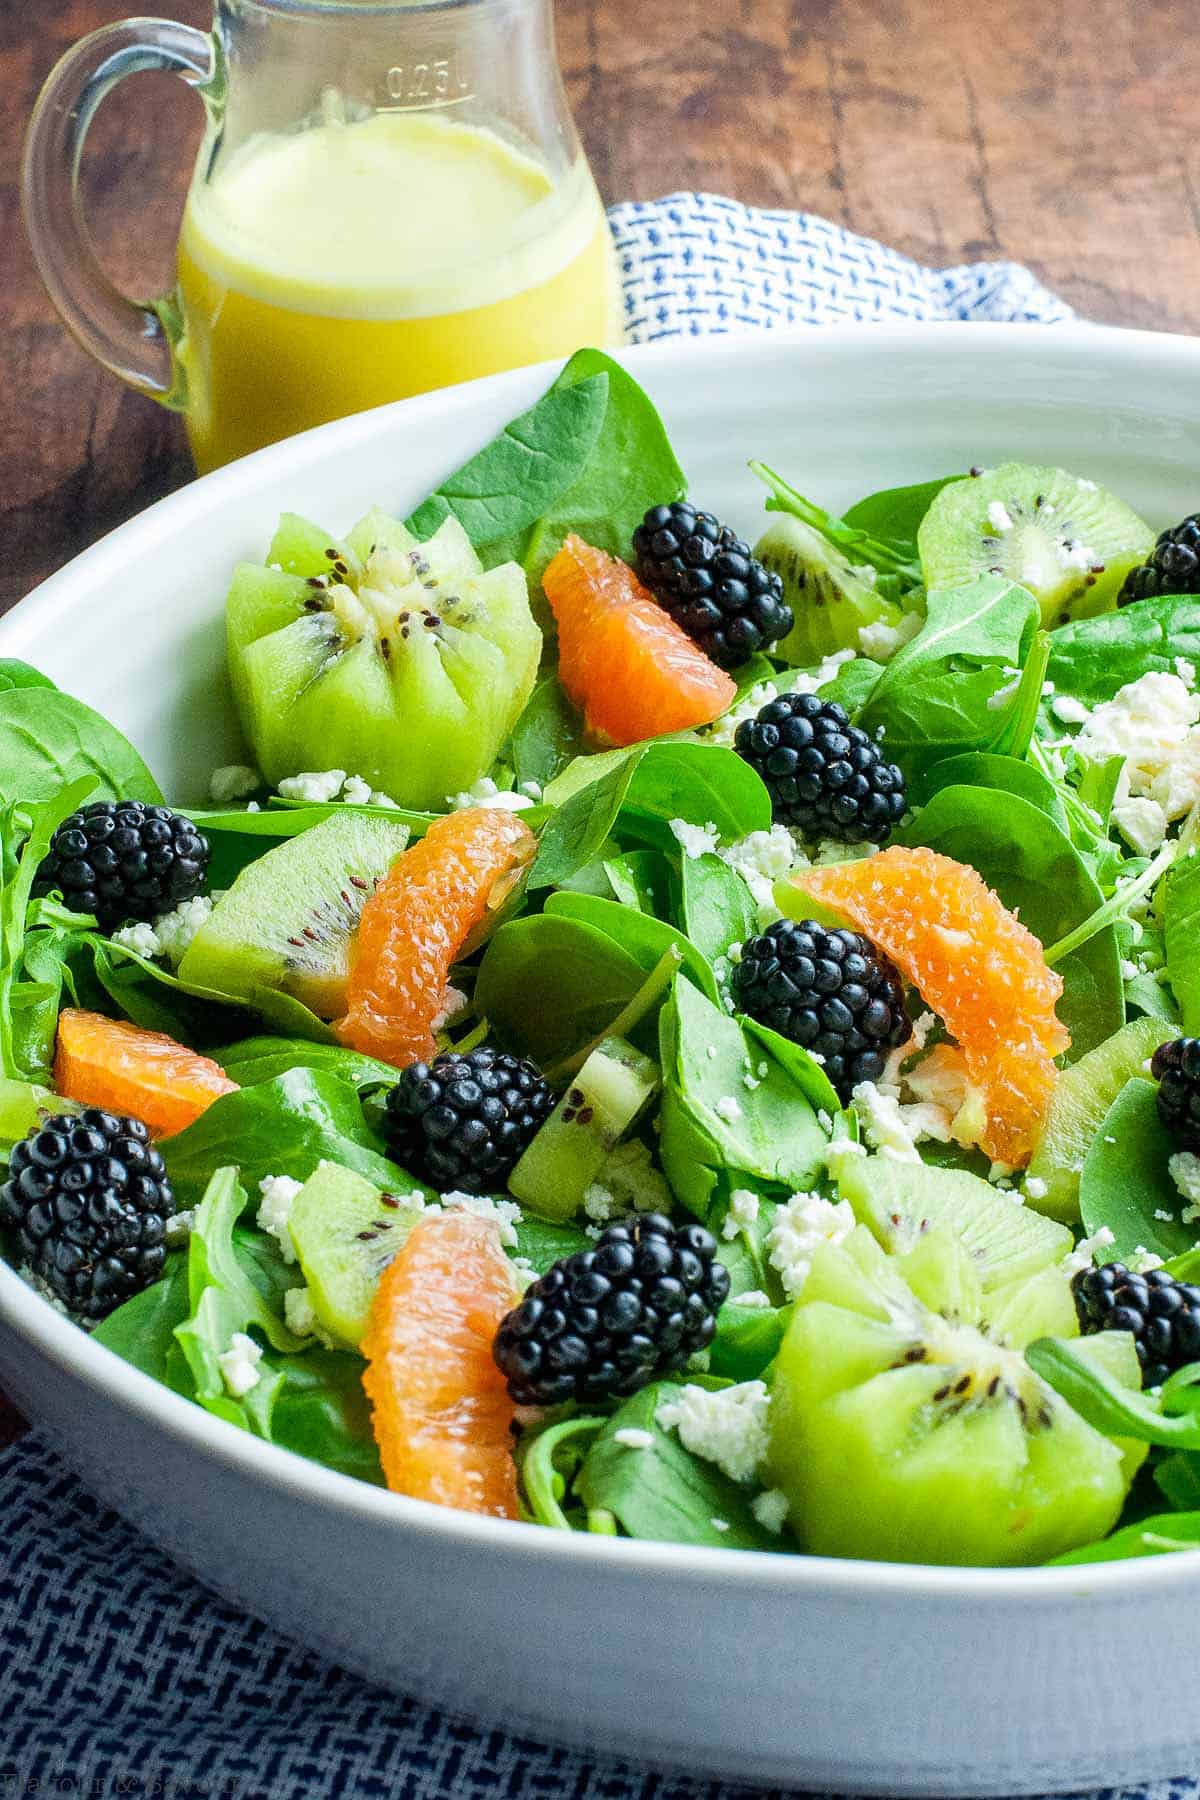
334,268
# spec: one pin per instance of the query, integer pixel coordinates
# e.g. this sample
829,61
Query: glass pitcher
388,198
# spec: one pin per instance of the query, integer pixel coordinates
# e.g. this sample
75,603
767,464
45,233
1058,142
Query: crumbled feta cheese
743,1211
749,706
1035,1187
833,850
882,641
1186,671
1085,1251
1129,970
239,1365
1176,788
485,792
728,1108
142,939
770,1508
763,858
999,516
695,840
1184,1168
1070,711
179,1226
301,1319
895,1129
719,1524
1146,722
1143,1260
823,675
1086,486
752,1297
176,929
1142,823
628,1182
504,1213
1163,1216
357,792
726,1426
533,789
316,786
799,1229
278,1193
234,782
633,1438
1002,695
1074,554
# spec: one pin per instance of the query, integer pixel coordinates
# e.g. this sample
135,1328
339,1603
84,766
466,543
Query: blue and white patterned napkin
118,1674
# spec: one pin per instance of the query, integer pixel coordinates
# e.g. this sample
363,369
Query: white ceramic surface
792,1671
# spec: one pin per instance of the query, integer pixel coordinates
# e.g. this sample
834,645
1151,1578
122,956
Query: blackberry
1163,1314
463,1121
123,860
605,1321
1172,567
707,579
830,991
1176,1068
88,1201
825,776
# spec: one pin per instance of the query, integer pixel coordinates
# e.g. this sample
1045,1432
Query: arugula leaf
284,1126
894,515
641,936
49,740
1104,1401
25,1004
718,909
155,997
1039,874
1159,1535
1180,907
1092,658
502,489
853,684
1126,1183
549,984
15,674
548,1460
890,554
631,467
932,699
548,734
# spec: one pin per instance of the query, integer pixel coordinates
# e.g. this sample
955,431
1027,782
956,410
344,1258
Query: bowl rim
290,1475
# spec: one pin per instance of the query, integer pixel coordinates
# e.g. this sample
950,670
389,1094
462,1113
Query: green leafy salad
658,1037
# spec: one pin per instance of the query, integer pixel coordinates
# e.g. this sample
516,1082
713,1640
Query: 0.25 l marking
438,82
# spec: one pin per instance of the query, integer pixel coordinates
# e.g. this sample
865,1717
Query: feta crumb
1143,1260
278,1194
799,1229
1035,1187
1129,970
727,1108
748,707
301,1319
316,786
142,939
1184,1170
1163,1216
695,840
628,1182
726,1426
1085,1251
503,1213
770,1508
719,1524
1142,823
743,1211
1086,486
894,1129
454,1002
1186,671
761,859
752,1297
239,1365
1070,711
532,789
236,781
882,641
999,516
1146,722
176,929
822,675
1075,554
486,792
633,1438
179,1226
357,792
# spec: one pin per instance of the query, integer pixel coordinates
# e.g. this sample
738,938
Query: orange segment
415,924
622,659
442,1415
975,964
144,1074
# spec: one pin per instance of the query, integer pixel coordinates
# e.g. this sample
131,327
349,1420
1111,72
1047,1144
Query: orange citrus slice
416,923
621,658
143,1074
441,1411
975,964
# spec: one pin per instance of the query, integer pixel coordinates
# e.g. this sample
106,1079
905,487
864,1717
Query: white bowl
791,1670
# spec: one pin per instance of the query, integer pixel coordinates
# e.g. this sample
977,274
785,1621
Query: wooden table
1065,136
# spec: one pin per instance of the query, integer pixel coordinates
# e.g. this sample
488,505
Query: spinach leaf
511,482
15,674
582,824
542,1243
853,684
747,1339
706,784
894,555
550,984
893,515
284,1126
546,736
985,769
321,1412
142,1329
548,1460
718,909
1092,658
49,740
1158,1535
28,998
263,1058
641,879
631,467
766,1131
1039,874
1104,1401
1126,1183
639,935
1180,905
153,996
663,1492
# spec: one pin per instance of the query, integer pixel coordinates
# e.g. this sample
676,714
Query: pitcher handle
133,338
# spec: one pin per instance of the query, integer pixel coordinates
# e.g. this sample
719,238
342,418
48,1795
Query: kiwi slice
1082,1096
346,1232
1068,541
399,661
604,1101
830,602
286,924
905,1427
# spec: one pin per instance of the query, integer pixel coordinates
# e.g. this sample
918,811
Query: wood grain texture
1067,137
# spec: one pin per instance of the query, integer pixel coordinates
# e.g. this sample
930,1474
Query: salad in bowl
659,1037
